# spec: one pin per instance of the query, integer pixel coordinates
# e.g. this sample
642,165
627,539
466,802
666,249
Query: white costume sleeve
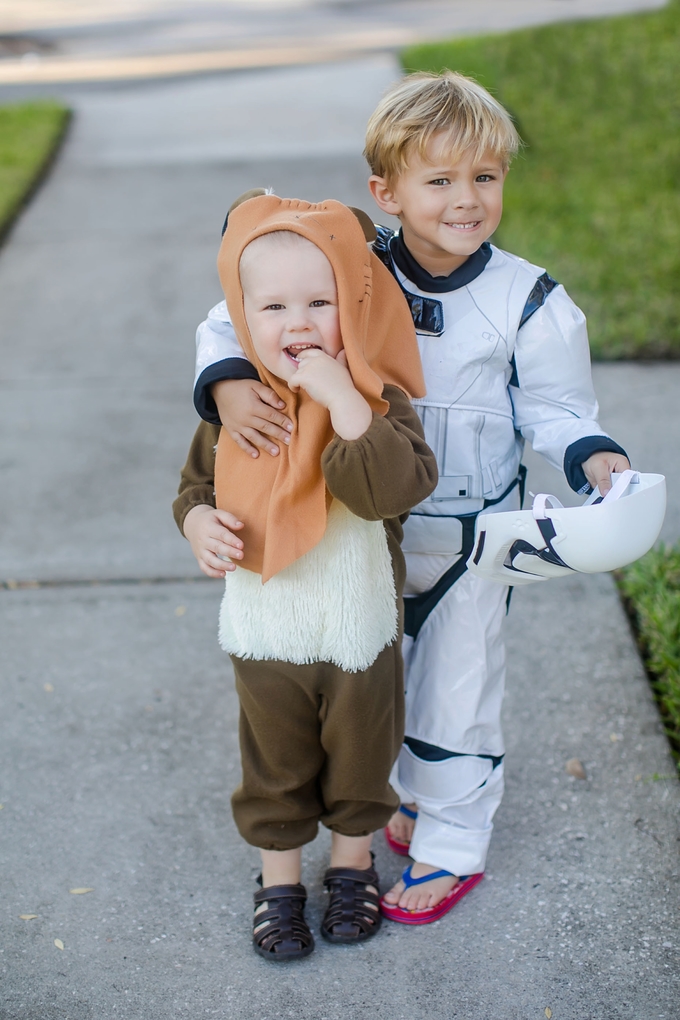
551,386
215,340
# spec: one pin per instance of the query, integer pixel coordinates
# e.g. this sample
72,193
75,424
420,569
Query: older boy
505,355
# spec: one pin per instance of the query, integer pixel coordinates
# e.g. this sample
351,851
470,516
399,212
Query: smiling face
290,300
447,207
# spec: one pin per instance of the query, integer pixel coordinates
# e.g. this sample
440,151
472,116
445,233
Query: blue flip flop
396,913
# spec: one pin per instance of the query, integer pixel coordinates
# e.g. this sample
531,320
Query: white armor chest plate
467,414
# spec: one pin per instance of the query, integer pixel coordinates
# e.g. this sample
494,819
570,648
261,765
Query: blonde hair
423,105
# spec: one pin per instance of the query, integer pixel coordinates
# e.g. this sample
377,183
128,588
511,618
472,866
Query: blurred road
44,41
117,739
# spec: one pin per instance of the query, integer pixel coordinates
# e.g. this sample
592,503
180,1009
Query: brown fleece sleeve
388,470
197,481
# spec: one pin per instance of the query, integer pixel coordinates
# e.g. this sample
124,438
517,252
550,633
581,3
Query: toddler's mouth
293,350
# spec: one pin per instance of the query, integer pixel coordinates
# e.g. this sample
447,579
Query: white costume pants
455,678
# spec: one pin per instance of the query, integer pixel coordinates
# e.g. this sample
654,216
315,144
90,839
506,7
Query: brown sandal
353,913
284,934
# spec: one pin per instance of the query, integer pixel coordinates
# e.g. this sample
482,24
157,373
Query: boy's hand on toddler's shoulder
252,415
209,532
599,467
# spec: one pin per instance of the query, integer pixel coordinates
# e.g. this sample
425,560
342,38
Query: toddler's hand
209,532
323,377
328,381
598,469
251,414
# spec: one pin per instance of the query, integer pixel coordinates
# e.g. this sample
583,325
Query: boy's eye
440,181
483,178
319,303
273,308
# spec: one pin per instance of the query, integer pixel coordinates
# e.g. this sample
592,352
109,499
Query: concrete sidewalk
118,749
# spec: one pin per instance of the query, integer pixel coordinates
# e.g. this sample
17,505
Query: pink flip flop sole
395,913
396,845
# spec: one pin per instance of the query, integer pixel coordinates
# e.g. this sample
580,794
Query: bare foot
400,826
420,897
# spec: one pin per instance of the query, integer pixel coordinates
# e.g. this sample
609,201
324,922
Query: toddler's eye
483,178
319,303
273,308
440,181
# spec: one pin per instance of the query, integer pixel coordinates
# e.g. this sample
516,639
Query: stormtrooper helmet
550,540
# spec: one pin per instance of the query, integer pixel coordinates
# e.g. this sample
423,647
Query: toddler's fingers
218,571
219,563
310,352
227,549
229,521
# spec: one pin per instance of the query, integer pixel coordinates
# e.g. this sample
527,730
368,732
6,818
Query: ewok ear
367,225
251,193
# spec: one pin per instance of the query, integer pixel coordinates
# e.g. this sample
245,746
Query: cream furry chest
337,603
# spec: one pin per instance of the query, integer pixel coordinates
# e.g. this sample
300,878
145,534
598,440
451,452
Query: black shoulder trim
228,368
380,246
544,284
577,452
427,313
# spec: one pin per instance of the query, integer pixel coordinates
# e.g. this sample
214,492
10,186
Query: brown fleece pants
317,745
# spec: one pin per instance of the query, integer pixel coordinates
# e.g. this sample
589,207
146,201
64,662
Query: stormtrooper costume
506,359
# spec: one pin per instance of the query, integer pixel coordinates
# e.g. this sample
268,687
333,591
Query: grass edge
38,177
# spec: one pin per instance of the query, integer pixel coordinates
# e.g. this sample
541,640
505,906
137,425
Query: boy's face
291,303
447,208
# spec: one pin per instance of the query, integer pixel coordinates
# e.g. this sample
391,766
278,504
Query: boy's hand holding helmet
599,468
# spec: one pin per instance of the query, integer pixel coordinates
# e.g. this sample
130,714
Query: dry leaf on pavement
80,890
575,768
59,944
27,917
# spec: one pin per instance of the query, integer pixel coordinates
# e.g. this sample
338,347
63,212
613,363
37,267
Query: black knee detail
429,752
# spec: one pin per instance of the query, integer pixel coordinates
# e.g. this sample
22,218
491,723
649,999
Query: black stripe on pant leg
430,752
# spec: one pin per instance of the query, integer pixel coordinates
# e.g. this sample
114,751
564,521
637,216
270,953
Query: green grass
595,195
651,589
29,135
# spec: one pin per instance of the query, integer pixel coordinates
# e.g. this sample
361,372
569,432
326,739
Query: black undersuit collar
415,273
